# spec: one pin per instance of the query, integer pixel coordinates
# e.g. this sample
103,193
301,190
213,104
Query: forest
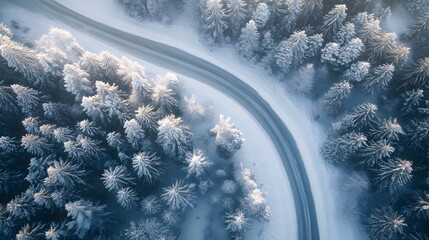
92,147
368,85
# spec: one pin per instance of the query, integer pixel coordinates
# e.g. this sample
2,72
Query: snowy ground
257,149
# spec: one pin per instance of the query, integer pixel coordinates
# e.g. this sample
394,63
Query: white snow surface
257,152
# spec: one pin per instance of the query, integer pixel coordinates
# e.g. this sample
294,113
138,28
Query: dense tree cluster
86,139
371,85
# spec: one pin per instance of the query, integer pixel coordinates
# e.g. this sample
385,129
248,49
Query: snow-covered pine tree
335,96
141,89
150,228
419,205
214,19
389,129
412,100
36,145
334,19
179,195
418,74
381,46
23,60
150,205
236,14
393,174
117,178
22,206
288,19
173,136
76,81
228,138
86,218
30,231
90,63
56,231
385,223
379,78
261,15
53,61
7,100
193,109
236,221
344,147
127,198
64,174
134,133
418,132
27,98
110,65
357,71
147,166
249,41
345,34
311,10
420,26
367,26
292,51
375,152
197,163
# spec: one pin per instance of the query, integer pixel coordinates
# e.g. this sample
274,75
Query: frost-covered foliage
228,138
73,121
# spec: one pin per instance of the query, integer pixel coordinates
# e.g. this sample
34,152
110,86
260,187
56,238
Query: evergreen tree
33,231
311,10
412,99
385,223
193,109
36,145
134,133
228,138
56,231
333,20
315,43
90,63
150,205
147,166
127,198
148,229
214,20
53,61
109,64
367,26
178,196
7,100
173,136
345,34
249,40
164,97
420,26
394,173
86,217
197,163
141,88
344,147
292,51
381,46
76,81
236,14
379,78
261,15
27,98
389,129
420,205
22,60
418,74
146,116
336,95
236,221
357,71
375,152
117,178
418,132
64,174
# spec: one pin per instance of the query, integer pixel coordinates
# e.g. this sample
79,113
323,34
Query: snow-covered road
197,68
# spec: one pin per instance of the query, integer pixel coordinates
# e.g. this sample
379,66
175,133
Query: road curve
199,69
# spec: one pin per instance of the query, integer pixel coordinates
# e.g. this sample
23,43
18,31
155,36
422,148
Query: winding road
199,69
